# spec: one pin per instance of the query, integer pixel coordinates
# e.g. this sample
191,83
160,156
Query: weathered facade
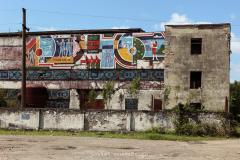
211,63
74,64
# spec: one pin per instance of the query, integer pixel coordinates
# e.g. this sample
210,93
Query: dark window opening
157,104
196,46
195,80
131,104
196,106
89,100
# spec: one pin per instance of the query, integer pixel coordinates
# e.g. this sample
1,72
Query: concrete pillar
74,99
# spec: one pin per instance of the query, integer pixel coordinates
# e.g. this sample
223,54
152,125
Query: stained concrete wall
149,120
108,120
213,62
14,119
62,120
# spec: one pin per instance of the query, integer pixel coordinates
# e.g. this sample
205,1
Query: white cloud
120,27
235,43
177,18
232,16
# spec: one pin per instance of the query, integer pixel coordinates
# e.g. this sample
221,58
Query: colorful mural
95,51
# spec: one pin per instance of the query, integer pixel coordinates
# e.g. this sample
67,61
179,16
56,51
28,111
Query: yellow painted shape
60,60
125,55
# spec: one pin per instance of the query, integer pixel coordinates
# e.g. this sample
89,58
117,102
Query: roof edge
193,25
92,31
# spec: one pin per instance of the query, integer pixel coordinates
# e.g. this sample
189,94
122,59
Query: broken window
195,80
196,106
196,46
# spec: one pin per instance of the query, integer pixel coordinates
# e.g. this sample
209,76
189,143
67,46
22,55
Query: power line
3,24
94,16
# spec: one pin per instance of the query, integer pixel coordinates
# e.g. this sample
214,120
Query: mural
84,74
95,51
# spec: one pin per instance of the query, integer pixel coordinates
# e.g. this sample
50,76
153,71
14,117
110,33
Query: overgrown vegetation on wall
188,123
108,91
134,87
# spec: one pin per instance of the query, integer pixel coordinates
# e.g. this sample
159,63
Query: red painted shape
31,43
97,60
39,52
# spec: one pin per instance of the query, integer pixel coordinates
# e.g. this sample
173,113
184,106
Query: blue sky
150,15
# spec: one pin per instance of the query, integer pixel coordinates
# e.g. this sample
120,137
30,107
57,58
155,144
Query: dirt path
83,148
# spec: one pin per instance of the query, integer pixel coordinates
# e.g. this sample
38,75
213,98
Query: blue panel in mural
48,46
15,75
110,75
3,74
158,75
107,55
68,75
79,74
96,75
40,75
128,74
144,74
61,75
58,94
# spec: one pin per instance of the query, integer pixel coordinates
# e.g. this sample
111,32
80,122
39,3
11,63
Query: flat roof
92,31
200,25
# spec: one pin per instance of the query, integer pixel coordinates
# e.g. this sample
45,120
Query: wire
8,23
8,10
93,16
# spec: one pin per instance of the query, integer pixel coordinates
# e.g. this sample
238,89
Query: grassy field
131,135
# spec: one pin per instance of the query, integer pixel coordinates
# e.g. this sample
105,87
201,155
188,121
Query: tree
235,98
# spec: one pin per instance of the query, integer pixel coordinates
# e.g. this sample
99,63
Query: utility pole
23,90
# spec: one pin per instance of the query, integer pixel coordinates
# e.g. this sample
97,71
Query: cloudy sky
150,15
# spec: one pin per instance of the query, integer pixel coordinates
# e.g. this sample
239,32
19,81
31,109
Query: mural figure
31,57
154,50
68,48
61,48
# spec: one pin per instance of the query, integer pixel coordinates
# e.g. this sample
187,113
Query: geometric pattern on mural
94,51
85,74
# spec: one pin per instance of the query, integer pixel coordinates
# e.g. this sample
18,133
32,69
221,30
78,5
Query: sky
150,15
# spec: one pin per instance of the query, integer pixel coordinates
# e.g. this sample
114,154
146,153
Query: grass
130,135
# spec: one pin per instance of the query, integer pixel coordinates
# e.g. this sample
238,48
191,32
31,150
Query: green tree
235,98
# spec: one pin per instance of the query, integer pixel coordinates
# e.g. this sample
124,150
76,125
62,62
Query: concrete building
147,70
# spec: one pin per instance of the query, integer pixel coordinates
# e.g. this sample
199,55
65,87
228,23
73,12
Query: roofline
199,25
92,31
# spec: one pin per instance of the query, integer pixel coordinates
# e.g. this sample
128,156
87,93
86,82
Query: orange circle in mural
39,52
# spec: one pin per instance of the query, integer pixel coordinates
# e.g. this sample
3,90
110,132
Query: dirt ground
83,148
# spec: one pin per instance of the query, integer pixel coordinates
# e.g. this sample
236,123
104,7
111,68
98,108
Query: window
196,106
196,46
131,104
157,104
195,80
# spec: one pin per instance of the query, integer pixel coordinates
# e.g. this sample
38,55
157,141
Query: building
185,63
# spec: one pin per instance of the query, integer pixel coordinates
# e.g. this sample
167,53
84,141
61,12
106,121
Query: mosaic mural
95,51
83,74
